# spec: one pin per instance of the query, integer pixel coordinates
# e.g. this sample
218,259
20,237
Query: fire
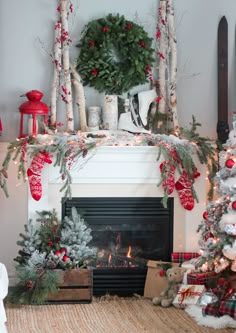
128,255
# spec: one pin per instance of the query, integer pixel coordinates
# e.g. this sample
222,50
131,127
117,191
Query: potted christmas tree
53,263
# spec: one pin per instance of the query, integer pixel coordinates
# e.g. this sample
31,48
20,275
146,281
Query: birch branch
80,98
173,64
56,73
66,65
162,57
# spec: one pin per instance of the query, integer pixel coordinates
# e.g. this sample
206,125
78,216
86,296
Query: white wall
24,65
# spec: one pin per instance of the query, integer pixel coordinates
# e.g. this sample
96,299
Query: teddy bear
175,277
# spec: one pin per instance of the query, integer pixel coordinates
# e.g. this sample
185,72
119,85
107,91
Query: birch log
162,56
66,65
173,64
80,98
56,73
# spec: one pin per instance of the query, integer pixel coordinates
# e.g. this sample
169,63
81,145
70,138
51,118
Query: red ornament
91,43
229,163
205,215
65,258
162,273
57,253
104,29
234,205
63,250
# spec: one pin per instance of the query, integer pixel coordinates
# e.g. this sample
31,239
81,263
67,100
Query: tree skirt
210,321
103,316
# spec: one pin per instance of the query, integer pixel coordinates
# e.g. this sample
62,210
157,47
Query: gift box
188,295
180,257
228,308
156,279
208,279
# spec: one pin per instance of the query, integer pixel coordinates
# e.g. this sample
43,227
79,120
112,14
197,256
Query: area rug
103,316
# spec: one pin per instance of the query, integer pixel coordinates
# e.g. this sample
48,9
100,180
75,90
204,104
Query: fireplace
127,232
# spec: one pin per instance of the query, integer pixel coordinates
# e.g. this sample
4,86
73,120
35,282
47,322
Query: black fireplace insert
127,233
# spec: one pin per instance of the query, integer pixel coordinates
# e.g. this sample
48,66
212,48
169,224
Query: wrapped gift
188,295
180,257
156,279
228,307
208,279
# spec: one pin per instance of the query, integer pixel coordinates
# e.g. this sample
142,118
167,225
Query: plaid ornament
180,257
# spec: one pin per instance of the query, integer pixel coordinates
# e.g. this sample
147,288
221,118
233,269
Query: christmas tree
46,247
218,227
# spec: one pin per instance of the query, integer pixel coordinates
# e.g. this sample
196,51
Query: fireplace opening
127,232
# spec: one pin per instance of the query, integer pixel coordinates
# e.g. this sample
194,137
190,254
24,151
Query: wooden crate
76,287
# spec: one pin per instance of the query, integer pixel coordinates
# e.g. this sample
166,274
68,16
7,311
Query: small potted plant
53,263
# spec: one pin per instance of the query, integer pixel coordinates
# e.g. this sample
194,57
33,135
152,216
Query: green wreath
115,55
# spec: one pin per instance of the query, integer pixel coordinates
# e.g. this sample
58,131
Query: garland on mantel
177,153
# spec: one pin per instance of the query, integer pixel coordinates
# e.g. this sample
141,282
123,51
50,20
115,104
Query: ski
222,58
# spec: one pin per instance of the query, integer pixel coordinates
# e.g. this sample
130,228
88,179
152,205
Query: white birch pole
66,65
162,56
173,64
80,98
56,73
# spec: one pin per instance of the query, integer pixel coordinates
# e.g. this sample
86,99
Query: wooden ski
222,124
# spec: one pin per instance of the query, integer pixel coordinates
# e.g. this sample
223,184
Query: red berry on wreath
63,250
205,215
229,163
234,205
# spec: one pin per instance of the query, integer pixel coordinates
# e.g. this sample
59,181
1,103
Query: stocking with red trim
183,187
34,173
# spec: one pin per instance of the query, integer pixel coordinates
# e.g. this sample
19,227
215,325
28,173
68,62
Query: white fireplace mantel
122,171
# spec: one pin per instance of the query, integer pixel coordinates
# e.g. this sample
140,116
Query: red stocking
168,172
34,174
183,186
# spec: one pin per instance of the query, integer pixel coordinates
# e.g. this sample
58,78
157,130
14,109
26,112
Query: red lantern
33,108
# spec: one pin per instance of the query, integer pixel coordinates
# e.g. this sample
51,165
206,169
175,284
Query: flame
109,258
128,255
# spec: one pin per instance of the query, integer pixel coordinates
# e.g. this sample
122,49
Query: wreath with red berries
115,55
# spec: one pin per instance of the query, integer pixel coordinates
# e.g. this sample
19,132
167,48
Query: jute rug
103,316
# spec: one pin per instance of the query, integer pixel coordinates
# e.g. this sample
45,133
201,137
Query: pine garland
115,54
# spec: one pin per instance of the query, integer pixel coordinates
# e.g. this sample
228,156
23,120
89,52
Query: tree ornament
229,163
65,258
205,215
29,284
234,205
118,56
34,173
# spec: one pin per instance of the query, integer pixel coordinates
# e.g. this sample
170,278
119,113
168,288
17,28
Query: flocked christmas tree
218,227
47,247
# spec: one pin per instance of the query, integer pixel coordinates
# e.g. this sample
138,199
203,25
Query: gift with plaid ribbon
208,279
180,257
